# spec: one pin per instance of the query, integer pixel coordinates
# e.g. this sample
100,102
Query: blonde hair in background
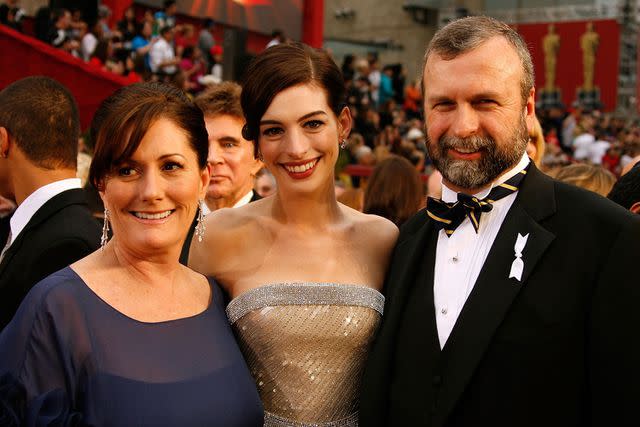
536,142
590,177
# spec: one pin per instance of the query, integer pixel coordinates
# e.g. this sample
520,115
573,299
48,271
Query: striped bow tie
450,215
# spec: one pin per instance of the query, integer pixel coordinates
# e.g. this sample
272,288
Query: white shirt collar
243,201
35,201
448,195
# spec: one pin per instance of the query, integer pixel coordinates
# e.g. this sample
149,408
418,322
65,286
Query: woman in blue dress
128,336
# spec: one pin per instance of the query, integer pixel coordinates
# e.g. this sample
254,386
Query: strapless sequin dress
306,344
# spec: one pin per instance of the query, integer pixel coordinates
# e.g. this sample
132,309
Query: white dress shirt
35,201
160,52
243,201
460,258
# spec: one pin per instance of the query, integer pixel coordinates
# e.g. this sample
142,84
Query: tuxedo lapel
494,290
59,201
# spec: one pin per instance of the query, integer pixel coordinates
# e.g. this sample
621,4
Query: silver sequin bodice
306,344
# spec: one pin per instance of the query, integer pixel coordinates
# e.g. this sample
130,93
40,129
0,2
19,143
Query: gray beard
495,160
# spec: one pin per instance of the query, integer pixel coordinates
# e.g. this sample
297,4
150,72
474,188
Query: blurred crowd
586,148
150,47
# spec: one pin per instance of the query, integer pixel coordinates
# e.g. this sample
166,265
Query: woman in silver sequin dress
304,272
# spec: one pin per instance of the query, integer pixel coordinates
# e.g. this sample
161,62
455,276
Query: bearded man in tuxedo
513,301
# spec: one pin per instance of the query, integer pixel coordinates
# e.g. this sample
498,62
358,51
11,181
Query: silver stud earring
200,227
343,144
105,229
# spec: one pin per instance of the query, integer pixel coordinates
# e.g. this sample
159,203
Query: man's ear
530,110
635,208
4,142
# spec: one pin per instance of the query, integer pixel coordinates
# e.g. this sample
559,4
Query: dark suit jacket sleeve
377,376
58,256
614,347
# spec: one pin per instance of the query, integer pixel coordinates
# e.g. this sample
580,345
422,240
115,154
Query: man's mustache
471,143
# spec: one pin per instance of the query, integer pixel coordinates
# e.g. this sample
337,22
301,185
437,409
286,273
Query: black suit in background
559,348
61,232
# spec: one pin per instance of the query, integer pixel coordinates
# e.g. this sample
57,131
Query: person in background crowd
232,164
104,14
142,43
206,41
193,68
11,14
412,100
394,191
216,53
630,165
52,226
294,111
128,335
128,26
231,157
265,184
536,144
590,177
58,34
626,191
89,41
505,299
385,91
277,37
162,57
165,17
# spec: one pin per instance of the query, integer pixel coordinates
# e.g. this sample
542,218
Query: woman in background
394,191
128,336
590,177
304,272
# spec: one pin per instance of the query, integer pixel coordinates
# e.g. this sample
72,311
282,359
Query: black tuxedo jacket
61,232
558,348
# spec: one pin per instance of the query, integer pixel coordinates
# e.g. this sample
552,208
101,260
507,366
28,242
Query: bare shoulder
225,232
374,230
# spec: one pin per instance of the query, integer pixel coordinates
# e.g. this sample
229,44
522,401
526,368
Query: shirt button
444,311
454,259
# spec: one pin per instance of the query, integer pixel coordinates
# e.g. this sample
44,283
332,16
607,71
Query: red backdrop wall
29,57
569,62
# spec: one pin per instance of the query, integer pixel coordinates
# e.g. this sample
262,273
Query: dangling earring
343,144
260,156
200,227
105,229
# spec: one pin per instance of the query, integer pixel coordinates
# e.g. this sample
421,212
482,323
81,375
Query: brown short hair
281,67
465,34
125,117
41,116
223,98
394,190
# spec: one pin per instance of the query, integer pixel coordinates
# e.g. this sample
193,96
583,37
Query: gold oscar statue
550,46
589,42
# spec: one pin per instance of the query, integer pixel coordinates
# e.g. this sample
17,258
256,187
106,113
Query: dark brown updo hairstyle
283,66
124,118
